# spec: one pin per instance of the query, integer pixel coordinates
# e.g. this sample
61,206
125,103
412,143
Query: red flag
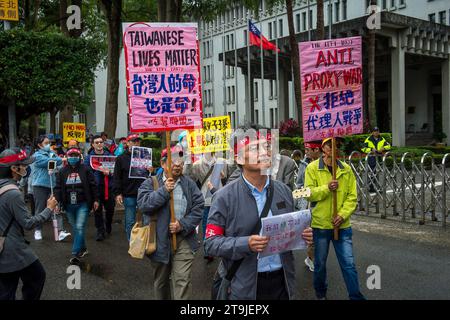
256,36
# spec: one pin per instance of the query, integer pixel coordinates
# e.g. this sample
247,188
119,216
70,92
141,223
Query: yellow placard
9,10
74,131
213,137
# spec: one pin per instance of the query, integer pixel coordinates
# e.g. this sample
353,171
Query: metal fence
404,187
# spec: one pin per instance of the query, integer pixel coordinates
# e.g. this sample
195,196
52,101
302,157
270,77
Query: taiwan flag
256,36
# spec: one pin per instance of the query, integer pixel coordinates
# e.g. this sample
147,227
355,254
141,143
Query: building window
271,89
272,118
256,116
280,32
344,9
270,31
310,23
245,38
297,22
228,95
233,94
384,5
255,91
393,4
304,20
443,17
432,17
337,11
402,4
232,41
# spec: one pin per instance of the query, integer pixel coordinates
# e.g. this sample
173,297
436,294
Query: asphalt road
410,268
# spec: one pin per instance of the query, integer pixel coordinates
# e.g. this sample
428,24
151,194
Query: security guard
376,144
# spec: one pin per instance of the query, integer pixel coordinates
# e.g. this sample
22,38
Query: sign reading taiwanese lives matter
331,77
163,76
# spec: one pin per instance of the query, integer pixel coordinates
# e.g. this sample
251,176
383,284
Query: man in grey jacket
188,206
17,260
235,212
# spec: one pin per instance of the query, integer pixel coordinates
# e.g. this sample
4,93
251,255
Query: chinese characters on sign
213,137
331,78
163,80
9,10
74,131
141,160
285,232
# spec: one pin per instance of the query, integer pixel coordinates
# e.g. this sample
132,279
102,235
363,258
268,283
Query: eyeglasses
98,142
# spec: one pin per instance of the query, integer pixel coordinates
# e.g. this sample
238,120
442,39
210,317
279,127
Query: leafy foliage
41,70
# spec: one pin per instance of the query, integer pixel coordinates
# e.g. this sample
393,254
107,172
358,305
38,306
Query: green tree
47,77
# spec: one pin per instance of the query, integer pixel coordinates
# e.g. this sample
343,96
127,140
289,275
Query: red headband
14,157
312,145
73,150
241,143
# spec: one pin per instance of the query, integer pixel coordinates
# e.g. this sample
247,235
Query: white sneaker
37,235
63,234
310,264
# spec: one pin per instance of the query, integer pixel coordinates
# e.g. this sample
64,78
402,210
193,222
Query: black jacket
123,185
87,178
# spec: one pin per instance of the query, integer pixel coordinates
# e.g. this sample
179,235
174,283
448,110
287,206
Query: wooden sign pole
169,173
334,194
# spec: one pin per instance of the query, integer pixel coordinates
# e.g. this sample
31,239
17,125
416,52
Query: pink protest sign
163,76
331,77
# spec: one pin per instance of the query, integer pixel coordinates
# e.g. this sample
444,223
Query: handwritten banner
9,10
74,131
163,76
101,163
285,232
331,77
213,137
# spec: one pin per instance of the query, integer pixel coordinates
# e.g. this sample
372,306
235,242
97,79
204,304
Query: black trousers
271,286
33,279
104,222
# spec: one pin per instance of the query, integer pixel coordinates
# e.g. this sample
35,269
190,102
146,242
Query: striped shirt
179,199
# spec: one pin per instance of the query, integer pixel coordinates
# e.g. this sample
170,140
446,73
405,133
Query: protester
318,177
121,147
375,145
283,167
173,267
77,193
312,153
126,188
42,183
17,259
106,195
201,173
234,217
73,144
297,156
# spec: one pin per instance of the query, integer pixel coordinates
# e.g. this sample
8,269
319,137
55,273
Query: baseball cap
14,156
73,150
176,150
375,129
313,144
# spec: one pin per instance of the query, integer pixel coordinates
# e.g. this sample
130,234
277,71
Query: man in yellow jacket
318,177
376,145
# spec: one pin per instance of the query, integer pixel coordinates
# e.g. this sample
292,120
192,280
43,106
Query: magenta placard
163,76
331,78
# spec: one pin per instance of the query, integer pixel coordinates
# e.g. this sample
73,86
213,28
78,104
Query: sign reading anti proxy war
213,137
74,131
331,77
163,78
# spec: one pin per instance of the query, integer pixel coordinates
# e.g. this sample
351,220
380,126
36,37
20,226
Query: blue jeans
78,215
130,205
344,252
205,220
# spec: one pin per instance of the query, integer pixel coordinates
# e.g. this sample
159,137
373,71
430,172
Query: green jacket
317,177
372,143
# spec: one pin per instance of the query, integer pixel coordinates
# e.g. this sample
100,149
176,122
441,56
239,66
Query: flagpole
263,111
249,84
236,70
223,68
277,67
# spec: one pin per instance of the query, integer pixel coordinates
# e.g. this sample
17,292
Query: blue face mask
73,160
46,147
